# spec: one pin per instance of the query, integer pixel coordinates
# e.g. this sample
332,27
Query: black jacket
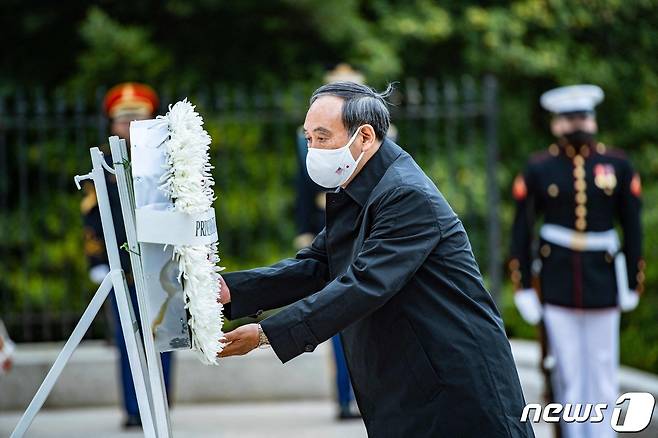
394,273
589,189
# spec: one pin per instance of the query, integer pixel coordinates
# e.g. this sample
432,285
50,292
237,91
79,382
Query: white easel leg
135,350
63,357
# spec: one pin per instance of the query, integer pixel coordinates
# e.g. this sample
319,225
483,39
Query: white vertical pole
129,327
156,376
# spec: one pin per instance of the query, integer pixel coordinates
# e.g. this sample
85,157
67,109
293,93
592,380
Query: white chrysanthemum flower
188,182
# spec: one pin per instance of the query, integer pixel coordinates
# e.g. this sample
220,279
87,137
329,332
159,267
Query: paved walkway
225,419
251,420
248,420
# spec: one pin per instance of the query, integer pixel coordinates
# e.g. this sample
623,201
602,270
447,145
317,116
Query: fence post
493,196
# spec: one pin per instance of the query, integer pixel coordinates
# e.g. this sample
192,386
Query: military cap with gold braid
130,98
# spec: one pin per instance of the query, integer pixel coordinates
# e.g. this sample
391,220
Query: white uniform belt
590,241
581,241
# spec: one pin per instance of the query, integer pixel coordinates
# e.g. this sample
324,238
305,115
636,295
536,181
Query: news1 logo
638,413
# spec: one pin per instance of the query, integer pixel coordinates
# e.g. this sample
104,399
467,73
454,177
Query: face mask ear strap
356,162
356,133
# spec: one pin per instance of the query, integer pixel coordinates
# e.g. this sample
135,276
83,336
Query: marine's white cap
572,99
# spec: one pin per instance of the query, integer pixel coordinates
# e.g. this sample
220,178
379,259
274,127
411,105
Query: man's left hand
240,341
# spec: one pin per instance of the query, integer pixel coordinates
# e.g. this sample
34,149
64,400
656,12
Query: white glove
97,273
528,305
629,301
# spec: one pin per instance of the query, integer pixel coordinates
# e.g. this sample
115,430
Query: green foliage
117,52
255,219
41,247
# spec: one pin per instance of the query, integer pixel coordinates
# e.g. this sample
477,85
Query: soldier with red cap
123,103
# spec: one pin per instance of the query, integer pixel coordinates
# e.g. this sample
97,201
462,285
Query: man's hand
224,293
240,341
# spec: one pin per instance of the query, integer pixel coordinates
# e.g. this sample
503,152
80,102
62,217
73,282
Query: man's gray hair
362,105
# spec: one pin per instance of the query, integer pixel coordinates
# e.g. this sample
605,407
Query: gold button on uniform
553,190
545,250
580,185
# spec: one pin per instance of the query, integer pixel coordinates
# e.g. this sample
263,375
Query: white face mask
330,168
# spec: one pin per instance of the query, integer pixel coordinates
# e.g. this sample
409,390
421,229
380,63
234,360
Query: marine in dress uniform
579,189
123,103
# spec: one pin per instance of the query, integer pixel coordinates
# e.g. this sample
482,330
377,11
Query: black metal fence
448,126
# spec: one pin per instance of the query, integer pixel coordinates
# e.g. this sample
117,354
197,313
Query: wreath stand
145,365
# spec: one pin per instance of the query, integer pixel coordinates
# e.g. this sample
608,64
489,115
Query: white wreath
188,182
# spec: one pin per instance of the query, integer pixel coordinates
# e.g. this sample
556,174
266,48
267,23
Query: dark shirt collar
362,185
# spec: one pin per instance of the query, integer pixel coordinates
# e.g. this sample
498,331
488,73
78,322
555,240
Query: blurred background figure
122,104
310,210
580,188
6,350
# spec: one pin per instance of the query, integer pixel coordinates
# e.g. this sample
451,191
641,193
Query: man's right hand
224,292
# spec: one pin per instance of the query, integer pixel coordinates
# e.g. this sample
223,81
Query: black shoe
132,421
347,413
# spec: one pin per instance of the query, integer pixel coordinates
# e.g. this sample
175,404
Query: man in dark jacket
394,274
